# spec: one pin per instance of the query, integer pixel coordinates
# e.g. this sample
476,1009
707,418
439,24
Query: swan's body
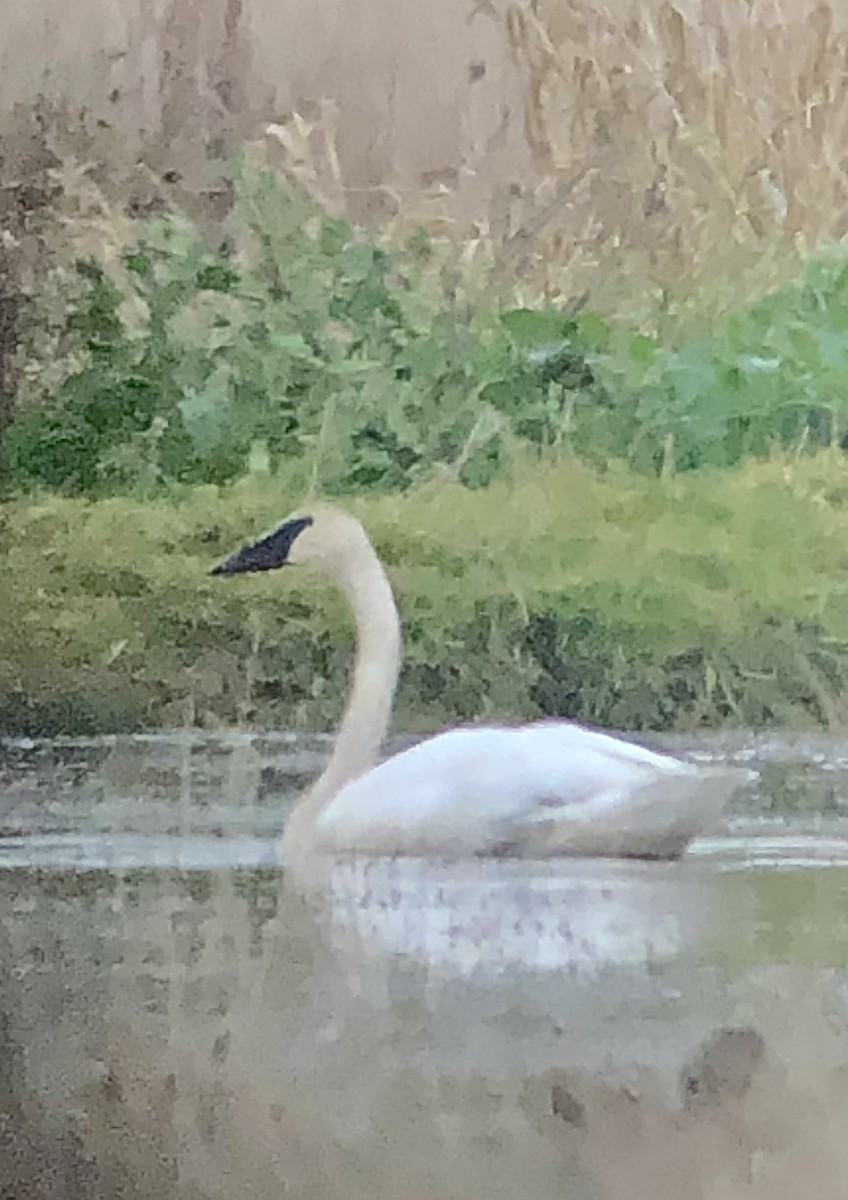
551,788
538,790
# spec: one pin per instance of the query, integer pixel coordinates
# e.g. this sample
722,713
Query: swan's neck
369,706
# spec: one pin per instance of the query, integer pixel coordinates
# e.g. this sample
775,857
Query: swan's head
324,537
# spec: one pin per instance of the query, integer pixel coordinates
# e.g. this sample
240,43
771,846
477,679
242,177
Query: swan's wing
619,798
546,788
633,802
458,789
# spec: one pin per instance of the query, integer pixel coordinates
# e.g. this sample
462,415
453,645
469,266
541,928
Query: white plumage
538,790
551,788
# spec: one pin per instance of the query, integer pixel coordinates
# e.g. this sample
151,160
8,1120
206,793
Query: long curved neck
369,706
375,674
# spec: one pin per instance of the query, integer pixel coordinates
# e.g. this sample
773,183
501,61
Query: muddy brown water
179,1018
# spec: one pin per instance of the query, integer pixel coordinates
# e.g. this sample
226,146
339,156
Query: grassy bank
715,597
640,523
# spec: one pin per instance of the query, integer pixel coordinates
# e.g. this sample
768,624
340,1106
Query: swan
533,791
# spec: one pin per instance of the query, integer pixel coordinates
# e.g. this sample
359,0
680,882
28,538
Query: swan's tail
658,820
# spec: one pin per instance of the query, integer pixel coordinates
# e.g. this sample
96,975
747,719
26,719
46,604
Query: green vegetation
311,343
625,599
641,527
377,368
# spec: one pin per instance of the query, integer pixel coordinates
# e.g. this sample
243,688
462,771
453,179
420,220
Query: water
179,1019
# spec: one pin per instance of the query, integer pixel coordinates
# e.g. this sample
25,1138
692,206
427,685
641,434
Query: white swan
550,788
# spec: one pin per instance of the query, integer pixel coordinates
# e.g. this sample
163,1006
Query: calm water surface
180,1018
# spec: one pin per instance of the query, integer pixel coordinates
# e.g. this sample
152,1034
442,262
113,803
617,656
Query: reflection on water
485,918
180,1019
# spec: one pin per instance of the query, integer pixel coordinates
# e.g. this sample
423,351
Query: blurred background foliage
382,366
599,430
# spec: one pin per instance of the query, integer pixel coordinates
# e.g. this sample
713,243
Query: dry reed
674,144
704,134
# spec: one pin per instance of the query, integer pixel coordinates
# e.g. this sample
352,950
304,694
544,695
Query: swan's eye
267,554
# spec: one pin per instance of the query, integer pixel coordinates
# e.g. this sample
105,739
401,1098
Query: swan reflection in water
485,917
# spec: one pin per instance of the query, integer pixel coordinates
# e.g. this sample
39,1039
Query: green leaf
529,327
206,414
295,345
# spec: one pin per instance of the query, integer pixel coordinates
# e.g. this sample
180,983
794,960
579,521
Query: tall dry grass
675,143
683,139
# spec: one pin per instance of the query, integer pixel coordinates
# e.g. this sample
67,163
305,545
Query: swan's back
548,788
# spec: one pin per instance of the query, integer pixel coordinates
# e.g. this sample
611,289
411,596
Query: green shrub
313,343
771,376
377,368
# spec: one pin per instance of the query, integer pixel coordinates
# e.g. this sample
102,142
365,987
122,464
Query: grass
708,599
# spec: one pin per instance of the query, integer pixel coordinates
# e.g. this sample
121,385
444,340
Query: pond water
181,1018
